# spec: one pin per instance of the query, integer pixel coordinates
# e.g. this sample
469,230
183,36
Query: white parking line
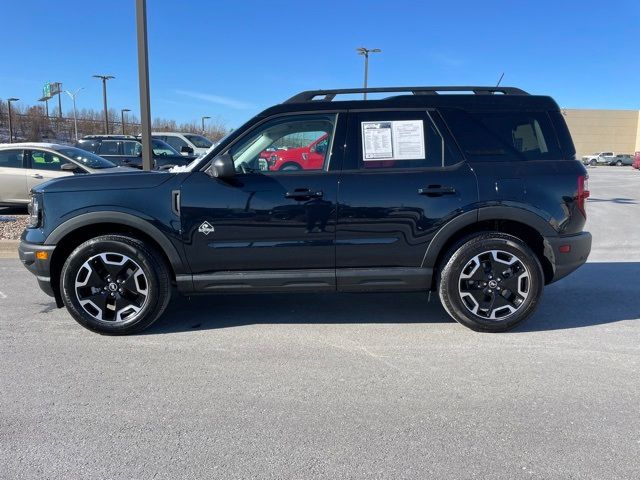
2,295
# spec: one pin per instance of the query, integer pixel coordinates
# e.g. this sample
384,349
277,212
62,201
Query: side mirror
223,167
69,167
186,149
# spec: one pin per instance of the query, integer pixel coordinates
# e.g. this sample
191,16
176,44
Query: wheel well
290,163
527,234
69,242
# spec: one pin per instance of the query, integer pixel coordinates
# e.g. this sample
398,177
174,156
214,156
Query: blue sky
231,59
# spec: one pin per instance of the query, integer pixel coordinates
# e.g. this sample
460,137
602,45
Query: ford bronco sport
475,194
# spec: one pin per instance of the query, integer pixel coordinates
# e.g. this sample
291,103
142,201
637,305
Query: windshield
161,148
199,141
87,159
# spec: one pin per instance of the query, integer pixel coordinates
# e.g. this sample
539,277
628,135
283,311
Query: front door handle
436,191
303,194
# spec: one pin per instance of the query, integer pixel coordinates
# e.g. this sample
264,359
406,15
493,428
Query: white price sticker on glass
394,140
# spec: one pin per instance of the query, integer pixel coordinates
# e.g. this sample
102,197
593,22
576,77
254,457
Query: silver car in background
25,165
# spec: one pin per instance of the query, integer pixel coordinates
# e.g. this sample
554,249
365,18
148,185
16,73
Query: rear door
13,177
403,179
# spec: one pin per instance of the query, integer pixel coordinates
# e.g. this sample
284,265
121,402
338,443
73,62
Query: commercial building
604,130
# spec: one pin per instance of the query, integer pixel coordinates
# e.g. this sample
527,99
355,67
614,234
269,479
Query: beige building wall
604,130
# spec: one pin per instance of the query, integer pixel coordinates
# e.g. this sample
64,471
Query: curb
9,249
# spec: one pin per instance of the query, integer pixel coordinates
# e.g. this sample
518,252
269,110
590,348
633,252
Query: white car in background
602,158
185,143
25,165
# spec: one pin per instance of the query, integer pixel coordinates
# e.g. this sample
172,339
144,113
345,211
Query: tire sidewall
449,281
102,245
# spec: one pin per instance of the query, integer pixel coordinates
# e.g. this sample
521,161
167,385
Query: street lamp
365,52
73,96
203,119
122,117
104,99
9,100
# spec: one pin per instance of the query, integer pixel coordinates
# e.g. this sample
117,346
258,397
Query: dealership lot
334,386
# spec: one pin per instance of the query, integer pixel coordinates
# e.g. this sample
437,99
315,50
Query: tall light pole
203,119
9,100
73,96
365,52
143,79
122,118
104,99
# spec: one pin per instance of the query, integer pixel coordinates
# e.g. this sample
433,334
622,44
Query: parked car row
608,158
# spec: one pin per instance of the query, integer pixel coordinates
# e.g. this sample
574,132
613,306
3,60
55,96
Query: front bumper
39,267
564,262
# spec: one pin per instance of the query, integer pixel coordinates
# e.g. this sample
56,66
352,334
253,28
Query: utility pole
104,99
143,79
122,118
9,100
203,119
365,52
75,114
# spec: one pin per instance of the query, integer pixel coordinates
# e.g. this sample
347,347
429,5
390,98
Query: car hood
129,179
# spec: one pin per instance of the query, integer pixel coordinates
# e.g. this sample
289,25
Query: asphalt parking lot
337,386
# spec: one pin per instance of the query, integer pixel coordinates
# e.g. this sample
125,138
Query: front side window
161,148
199,141
295,143
108,147
504,136
11,159
41,160
132,149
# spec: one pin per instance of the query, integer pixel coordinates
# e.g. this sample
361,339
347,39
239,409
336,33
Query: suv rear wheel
490,282
115,285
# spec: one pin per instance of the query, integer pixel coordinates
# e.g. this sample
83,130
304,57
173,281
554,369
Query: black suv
476,195
126,151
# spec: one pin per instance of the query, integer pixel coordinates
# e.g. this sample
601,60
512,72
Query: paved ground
343,386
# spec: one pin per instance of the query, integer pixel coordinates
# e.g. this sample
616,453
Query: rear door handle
37,175
436,191
304,194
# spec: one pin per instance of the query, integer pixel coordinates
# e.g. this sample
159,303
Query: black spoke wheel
490,282
115,284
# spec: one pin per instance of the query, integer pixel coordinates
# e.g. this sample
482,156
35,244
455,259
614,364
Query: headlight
35,212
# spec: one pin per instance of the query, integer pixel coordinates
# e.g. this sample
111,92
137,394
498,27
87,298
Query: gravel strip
11,226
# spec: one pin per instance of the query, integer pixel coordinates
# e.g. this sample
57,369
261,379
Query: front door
45,166
402,180
266,221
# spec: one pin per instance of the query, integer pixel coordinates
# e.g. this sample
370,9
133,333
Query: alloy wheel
494,284
111,287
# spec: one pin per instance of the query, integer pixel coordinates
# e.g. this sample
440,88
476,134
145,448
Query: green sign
46,90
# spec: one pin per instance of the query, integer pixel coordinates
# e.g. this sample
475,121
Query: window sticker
395,140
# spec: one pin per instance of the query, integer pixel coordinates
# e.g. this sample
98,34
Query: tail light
583,193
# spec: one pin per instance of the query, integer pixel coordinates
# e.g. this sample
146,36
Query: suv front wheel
115,285
490,282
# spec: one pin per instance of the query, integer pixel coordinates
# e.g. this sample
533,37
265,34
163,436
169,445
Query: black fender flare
499,212
142,224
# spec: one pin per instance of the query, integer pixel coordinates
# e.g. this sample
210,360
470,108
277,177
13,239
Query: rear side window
398,140
11,158
88,145
504,136
108,147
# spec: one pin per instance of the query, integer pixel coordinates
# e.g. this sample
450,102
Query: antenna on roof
500,79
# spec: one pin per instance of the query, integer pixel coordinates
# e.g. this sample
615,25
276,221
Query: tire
619,163
115,285
593,162
291,166
469,291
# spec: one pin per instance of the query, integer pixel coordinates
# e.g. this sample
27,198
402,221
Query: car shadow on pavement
596,294
625,201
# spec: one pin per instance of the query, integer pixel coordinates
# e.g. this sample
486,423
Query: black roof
466,97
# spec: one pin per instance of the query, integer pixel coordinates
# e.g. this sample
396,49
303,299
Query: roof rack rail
329,95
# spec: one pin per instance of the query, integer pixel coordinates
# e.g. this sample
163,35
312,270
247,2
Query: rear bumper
564,262
40,268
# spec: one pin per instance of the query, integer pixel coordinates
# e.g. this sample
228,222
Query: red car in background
636,161
310,157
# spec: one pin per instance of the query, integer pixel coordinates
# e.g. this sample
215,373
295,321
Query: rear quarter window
504,136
